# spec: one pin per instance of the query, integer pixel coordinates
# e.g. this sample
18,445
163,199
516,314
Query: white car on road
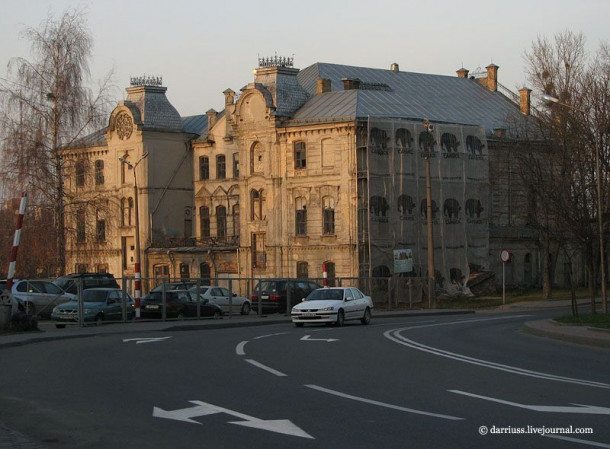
333,305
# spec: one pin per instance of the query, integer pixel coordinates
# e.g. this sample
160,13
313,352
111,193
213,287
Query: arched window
256,205
130,211
204,222
221,221
123,211
379,138
403,139
256,158
300,155
300,219
205,272
328,216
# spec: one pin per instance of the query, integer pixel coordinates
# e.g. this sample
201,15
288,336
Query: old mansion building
303,169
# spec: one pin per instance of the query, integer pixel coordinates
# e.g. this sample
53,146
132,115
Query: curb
579,335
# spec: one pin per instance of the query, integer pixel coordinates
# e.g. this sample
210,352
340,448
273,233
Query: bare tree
576,128
46,106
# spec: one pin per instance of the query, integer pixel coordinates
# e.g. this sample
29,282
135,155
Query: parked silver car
229,303
39,297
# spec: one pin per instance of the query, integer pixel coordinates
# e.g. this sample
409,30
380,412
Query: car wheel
299,324
340,318
366,319
245,309
98,319
180,315
60,326
217,315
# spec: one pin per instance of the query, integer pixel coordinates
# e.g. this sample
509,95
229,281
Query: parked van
274,294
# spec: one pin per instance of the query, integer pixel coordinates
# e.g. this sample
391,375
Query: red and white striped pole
324,275
13,262
138,290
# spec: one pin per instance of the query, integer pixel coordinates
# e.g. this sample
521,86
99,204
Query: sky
200,48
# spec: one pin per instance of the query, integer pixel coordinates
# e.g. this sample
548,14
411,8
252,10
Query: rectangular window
328,221
204,222
221,168
300,156
80,173
99,172
101,230
204,168
80,226
236,165
302,270
301,222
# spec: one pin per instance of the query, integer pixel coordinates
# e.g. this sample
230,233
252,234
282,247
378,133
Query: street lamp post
431,281
137,269
548,99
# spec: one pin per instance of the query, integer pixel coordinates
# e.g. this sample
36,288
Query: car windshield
325,294
94,295
271,286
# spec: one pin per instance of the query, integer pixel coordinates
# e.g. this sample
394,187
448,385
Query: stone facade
268,187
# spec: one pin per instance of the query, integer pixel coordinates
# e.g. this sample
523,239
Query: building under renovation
323,168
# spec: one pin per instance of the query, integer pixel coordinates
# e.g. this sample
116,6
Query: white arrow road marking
307,338
381,404
283,426
145,340
580,408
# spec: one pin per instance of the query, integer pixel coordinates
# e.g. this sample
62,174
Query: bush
23,322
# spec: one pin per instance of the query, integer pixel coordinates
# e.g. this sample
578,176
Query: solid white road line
395,335
381,404
266,368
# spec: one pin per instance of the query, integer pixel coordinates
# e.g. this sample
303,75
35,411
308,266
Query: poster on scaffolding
403,261
398,152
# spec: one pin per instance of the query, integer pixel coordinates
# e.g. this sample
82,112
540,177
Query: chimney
462,73
351,84
524,100
394,67
211,118
229,97
323,85
492,77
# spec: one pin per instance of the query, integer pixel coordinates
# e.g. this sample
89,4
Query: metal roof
385,93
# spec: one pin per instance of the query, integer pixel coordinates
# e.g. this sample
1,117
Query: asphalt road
469,381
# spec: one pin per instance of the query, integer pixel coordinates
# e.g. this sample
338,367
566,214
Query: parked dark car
69,282
179,304
273,294
99,304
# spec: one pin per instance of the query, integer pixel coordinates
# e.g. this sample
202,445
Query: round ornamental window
124,126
